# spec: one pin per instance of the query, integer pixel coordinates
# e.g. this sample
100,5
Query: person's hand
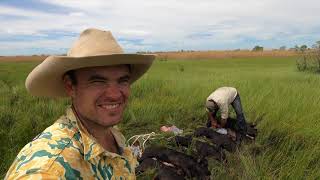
232,134
215,124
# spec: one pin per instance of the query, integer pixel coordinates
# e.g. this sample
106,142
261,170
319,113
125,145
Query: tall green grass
273,92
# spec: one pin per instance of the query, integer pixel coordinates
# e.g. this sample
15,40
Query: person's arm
212,120
224,114
223,122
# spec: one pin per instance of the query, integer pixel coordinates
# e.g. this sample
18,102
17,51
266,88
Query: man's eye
124,81
97,82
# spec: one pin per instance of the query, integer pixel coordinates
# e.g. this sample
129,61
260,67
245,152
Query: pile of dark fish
172,164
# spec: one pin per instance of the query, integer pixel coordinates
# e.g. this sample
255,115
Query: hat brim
46,79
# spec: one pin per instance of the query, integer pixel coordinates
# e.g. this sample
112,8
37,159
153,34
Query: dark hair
215,108
72,76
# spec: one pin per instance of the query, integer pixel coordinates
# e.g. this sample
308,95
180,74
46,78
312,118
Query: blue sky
50,26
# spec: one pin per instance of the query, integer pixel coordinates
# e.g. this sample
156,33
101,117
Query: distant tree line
257,48
309,59
296,48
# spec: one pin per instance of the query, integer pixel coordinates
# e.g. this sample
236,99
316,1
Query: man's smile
111,106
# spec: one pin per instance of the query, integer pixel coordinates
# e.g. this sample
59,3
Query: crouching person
83,143
220,99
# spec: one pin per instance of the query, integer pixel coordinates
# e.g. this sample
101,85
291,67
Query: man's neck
103,135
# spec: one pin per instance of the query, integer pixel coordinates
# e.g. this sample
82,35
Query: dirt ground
223,54
22,58
182,55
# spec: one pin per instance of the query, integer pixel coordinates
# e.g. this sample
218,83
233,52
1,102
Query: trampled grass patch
273,92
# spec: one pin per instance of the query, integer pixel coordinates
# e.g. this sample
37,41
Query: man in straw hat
220,99
83,143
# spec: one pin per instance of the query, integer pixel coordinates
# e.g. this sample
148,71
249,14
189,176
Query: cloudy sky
50,26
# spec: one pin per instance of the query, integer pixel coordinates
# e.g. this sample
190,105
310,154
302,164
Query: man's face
100,94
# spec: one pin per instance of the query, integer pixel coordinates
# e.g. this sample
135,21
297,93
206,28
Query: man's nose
113,91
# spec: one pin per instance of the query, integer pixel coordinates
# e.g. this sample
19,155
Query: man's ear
68,86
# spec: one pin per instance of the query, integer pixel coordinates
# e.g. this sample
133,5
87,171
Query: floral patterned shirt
65,150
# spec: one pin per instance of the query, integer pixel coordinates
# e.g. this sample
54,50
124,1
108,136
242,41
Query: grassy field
174,92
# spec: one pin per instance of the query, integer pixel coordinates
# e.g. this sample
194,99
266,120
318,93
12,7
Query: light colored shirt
223,96
65,150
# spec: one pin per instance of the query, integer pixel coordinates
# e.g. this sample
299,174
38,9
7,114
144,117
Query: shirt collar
91,148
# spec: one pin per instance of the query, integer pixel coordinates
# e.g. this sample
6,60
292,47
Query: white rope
140,138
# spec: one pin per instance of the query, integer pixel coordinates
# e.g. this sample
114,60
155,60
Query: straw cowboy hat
93,48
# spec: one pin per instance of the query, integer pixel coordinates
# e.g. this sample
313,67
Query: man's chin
110,121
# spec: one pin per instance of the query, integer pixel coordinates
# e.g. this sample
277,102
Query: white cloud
60,43
82,4
77,14
171,23
134,32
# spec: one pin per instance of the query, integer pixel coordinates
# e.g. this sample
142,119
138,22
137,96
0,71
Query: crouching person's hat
211,106
93,48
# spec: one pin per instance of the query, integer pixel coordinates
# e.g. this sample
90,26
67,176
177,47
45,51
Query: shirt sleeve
224,110
23,175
